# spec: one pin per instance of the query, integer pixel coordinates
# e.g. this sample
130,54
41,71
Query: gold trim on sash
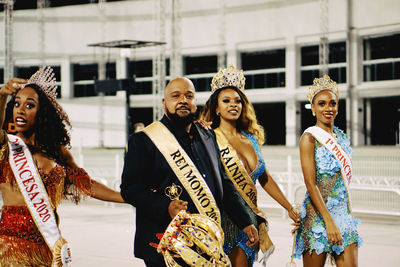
184,169
243,184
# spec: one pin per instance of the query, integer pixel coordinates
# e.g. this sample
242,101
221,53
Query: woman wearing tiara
327,225
239,137
37,171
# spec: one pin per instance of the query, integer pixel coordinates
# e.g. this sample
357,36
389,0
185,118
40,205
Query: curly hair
247,121
51,128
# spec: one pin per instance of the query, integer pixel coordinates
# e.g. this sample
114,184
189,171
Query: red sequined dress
21,243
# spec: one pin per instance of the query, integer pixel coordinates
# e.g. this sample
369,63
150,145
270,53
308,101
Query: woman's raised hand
205,124
12,86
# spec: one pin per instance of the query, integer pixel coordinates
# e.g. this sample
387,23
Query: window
264,69
381,58
20,4
1,76
85,72
267,59
310,63
200,70
200,64
83,90
382,47
84,76
142,70
58,3
202,84
111,72
274,125
309,55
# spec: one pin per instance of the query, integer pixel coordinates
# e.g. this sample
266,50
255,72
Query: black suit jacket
145,176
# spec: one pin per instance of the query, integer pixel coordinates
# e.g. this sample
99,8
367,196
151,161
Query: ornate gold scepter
173,191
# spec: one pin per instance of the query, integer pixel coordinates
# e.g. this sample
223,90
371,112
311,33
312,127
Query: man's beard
180,122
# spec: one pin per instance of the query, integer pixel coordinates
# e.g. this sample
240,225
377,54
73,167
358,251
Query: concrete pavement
101,235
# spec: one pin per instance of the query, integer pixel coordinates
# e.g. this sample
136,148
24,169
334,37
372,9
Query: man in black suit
147,174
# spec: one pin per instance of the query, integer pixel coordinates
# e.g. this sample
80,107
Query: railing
377,193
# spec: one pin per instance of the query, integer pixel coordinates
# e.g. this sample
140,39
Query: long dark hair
247,121
51,129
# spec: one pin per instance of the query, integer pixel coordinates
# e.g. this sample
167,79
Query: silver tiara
44,78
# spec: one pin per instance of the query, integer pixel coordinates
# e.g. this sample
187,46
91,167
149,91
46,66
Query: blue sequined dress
233,235
312,232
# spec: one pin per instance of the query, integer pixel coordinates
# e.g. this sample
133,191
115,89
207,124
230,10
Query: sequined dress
312,232
233,235
21,243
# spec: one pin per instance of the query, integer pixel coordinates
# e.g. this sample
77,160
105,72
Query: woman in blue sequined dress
327,225
231,113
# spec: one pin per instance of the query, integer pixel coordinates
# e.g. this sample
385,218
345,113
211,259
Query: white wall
95,122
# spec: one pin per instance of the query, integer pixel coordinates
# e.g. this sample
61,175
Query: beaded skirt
21,243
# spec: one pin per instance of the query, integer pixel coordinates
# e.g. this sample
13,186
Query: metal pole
324,41
8,32
350,83
222,34
176,57
159,70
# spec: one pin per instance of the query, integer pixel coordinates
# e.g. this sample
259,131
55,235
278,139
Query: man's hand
176,206
252,234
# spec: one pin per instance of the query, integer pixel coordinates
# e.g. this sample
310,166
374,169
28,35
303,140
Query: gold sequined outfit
21,243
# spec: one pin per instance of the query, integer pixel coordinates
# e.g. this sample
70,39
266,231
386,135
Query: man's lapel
212,155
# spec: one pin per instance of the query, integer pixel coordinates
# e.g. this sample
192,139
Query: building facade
275,42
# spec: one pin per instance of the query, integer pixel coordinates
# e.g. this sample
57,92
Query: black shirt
197,154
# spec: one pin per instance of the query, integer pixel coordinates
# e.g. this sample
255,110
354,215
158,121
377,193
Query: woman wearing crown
37,171
327,225
239,137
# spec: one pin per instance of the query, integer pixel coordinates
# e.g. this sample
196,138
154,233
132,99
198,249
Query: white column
355,66
232,56
291,133
121,66
290,107
67,76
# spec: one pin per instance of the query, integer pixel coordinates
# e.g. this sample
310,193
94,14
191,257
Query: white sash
36,198
330,143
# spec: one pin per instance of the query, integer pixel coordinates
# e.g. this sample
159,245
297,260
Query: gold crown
321,84
228,77
194,238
